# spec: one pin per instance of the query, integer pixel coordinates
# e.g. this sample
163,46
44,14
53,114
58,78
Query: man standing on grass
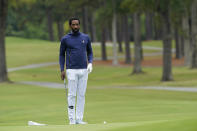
79,57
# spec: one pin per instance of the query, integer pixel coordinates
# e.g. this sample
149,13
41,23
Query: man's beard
75,30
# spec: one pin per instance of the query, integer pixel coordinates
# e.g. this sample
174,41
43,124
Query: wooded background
118,21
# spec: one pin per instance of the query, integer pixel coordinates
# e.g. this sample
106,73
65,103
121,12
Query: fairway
124,109
98,65
120,108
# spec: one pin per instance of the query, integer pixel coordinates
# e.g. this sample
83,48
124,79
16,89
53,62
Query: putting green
176,125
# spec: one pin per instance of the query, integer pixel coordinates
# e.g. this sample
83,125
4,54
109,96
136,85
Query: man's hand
89,68
62,75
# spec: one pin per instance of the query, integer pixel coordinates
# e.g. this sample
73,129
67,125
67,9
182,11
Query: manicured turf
178,125
104,76
123,109
22,51
20,103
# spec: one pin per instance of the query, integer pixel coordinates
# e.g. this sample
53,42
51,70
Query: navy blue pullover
78,51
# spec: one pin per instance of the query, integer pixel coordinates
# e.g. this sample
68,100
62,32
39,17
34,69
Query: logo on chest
83,41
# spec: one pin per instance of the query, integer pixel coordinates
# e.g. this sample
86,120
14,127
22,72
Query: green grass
20,103
21,51
156,43
178,125
38,51
123,109
152,43
110,76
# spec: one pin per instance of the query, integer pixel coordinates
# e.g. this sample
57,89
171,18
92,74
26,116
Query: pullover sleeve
62,55
89,51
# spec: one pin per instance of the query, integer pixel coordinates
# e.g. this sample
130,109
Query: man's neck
75,33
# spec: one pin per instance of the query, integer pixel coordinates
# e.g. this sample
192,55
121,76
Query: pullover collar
75,34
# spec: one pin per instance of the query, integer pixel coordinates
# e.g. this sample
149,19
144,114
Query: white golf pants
77,83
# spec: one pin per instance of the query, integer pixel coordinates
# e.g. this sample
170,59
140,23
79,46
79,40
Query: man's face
75,26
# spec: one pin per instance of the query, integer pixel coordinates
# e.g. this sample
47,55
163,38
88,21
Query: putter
66,88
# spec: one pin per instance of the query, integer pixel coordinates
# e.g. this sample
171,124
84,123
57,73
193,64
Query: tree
53,11
164,11
85,19
177,12
186,36
103,44
126,39
194,33
178,43
136,7
48,7
84,8
114,37
108,14
119,33
137,44
50,23
103,17
125,32
92,27
3,16
60,28
157,27
149,25
61,12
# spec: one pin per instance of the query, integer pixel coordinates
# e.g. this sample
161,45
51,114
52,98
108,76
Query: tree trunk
194,33
178,44
149,26
114,21
138,26
137,45
167,46
126,39
119,34
60,27
92,29
85,19
50,24
182,45
157,30
187,44
108,33
103,45
3,16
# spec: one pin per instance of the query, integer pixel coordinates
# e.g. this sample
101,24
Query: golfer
79,57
